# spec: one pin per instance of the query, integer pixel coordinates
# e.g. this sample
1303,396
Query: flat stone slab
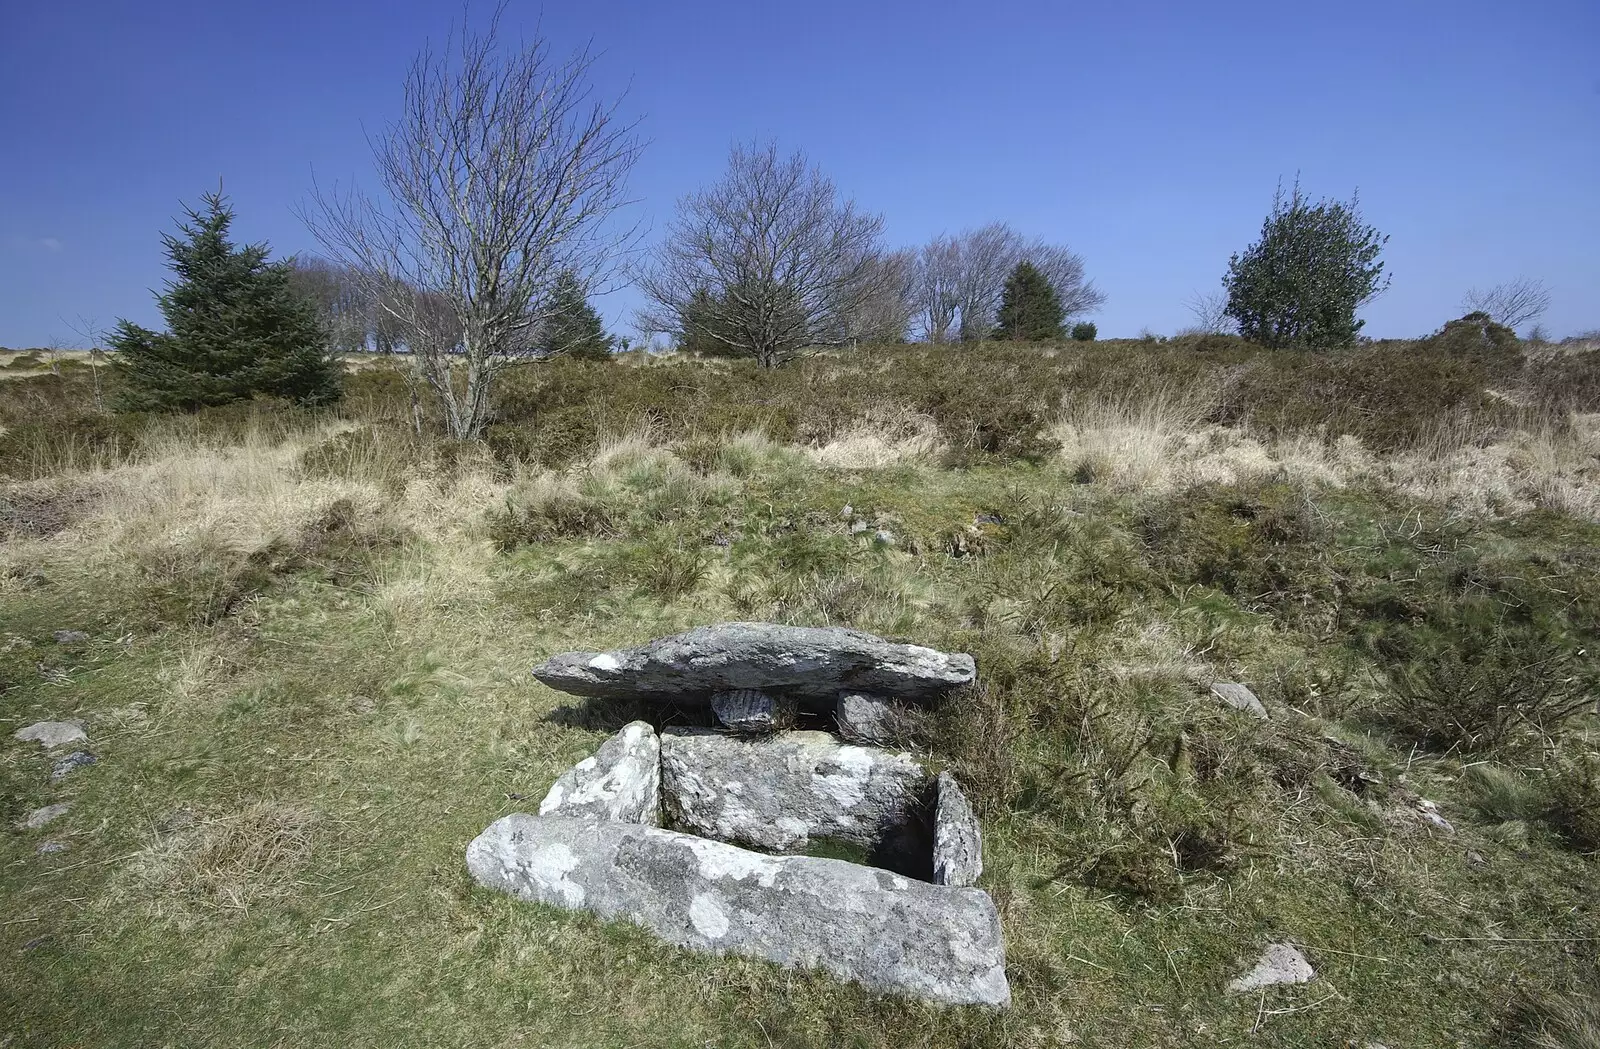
52,734
878,929
620,781
1280,963
957,843
815,663
1240,698
39,817
779,793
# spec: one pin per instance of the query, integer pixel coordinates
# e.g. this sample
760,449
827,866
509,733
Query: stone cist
908,921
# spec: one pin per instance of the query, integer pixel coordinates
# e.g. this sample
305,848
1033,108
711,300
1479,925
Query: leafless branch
1513,303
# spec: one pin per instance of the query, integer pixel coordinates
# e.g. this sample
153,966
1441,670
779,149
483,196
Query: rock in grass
78,759
778,794
957,843
49,847
39,817
1280,963
750,711
815,663
883,931
1240,698
70,637
620,781
52,734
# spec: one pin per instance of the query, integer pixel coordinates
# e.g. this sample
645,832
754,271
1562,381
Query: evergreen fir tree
575,329
1030,310
236,327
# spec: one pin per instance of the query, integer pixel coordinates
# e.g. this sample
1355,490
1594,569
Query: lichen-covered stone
779,793
1280,963
48,813
878,929
809,663
957,843
620,781
751,711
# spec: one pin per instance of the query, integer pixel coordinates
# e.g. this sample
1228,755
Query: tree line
502,209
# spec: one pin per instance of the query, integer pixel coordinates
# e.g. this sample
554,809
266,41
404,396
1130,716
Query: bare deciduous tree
1210,313
766,262
1513,303
935,297
960,280
885,314
502,172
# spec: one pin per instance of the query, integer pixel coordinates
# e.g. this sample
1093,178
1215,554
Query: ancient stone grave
754,838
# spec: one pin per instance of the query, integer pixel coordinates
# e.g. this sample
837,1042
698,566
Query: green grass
303,715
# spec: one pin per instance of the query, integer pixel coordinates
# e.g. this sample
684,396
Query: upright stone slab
878,929
862,717
779,793
957,844
749,711
620,781
813,664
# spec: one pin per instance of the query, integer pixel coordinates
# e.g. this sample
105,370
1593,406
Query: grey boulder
957,844
748,710
779,793
620,781
814,663
869,926
52,734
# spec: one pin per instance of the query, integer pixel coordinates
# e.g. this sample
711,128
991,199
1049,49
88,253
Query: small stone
620,781
70,637
37,941
751,711
76,760
857,527
884,536
52,734
49,847
1430,812
1475,858
862,717
957,845
1239,697
848,512
1280,963
39,817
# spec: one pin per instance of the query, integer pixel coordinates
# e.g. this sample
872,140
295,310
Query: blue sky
1148,136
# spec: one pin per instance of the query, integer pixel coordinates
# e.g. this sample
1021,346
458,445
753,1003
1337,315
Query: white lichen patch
707,916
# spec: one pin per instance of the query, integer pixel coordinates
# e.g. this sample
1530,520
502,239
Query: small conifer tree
236,327
575,329
1030,309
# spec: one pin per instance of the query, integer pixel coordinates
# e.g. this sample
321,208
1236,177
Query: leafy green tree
1085,331
236,327
574,328
1302,282
1030,309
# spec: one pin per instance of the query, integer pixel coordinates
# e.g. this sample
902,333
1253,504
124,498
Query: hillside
299,644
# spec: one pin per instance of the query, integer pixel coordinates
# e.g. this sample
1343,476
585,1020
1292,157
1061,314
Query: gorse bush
1084,331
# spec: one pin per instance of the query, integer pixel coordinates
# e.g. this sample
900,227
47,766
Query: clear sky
1148,136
